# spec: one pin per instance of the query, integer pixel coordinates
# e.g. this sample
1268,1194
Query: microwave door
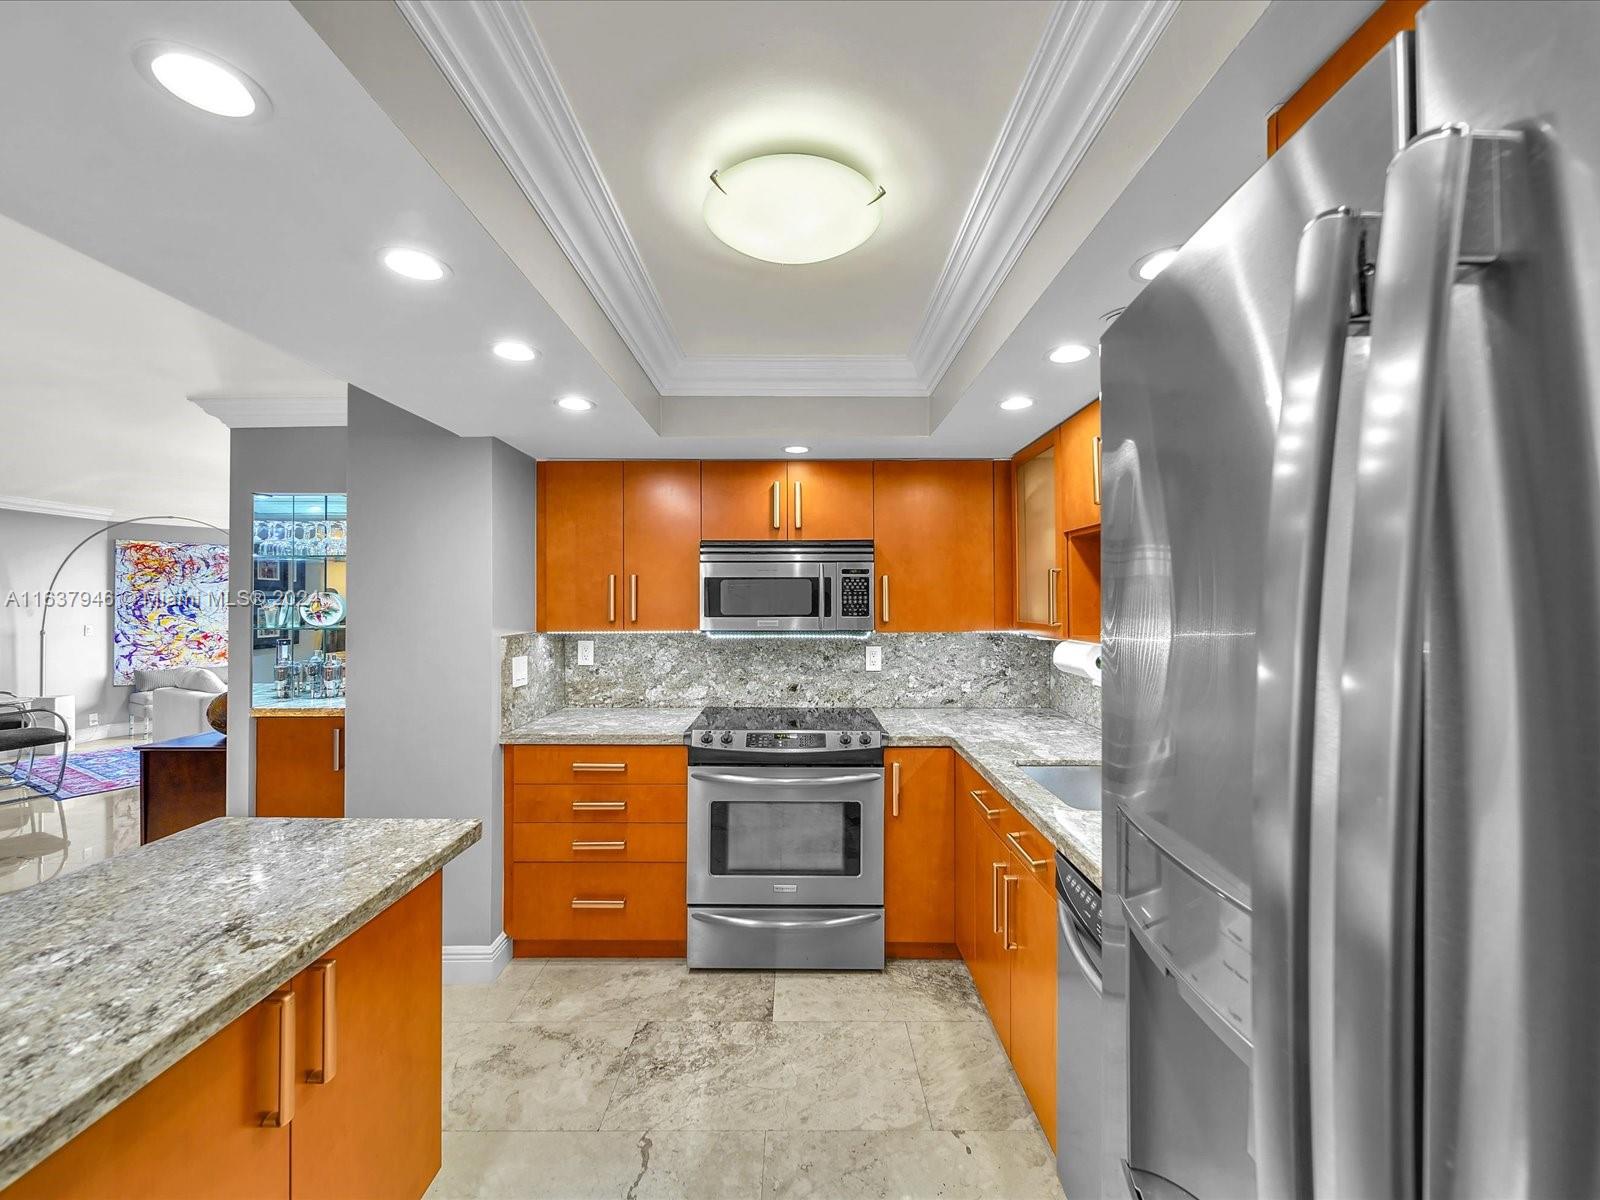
761,597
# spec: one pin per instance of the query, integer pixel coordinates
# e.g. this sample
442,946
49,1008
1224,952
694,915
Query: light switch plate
874,658
586,654
519,670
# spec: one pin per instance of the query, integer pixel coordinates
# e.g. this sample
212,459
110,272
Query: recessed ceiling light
792,208
516,351
202,80
1070,353
414,264
1154,263
575,404
1016,403
797,449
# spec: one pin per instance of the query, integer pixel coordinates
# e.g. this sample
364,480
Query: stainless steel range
786,838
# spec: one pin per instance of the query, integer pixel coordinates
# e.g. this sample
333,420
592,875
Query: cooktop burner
823,719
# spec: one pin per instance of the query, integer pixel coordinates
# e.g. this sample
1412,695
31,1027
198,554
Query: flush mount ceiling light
414,264
1016,403
797,449
1070,353
202,80
575,404
1154,263
792,208
514,351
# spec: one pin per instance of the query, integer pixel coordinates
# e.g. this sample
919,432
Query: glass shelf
299,547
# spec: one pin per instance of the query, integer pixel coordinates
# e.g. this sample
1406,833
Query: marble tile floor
637,1079
31,833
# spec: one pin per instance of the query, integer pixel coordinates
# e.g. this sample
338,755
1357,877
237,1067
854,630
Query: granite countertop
996,741
111,974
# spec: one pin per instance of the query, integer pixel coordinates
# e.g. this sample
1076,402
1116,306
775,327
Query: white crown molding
55,508
275,413
492,57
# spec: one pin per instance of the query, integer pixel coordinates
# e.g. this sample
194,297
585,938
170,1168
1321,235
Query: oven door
775,596
800,836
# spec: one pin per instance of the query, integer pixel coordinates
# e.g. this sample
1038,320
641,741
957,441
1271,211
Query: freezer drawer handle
712,918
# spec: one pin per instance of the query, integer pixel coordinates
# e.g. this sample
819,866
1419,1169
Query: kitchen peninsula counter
998,742
112,974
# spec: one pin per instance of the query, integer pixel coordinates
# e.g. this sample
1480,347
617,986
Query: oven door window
746,596
785,837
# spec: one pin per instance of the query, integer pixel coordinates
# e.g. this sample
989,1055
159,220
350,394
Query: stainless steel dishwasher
1079,1042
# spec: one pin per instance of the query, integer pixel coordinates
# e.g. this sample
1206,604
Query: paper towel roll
1078,658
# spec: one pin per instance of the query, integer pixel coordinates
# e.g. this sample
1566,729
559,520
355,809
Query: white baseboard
100,733
477,964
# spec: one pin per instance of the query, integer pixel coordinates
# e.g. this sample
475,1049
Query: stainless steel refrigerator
1351,555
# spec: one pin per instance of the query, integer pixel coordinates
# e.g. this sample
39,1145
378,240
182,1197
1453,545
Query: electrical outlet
94,719
519,670
88,631
874,658
586,654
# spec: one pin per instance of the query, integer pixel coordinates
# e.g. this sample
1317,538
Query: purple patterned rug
89,772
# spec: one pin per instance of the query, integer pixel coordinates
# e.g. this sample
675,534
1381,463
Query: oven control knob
705,738
865,739
844,739
727,739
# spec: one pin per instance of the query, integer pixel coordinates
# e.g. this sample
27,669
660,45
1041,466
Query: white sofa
174,700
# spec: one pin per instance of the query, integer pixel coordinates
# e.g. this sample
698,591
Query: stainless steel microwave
785,587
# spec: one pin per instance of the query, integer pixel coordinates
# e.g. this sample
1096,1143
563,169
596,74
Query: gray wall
441,564
78,647
266,460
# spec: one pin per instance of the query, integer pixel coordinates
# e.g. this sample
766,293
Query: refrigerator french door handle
1442,210
1327,296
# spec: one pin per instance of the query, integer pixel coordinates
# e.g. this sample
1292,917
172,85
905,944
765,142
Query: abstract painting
171,606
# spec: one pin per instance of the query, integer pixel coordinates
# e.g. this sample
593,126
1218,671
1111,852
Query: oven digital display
786,741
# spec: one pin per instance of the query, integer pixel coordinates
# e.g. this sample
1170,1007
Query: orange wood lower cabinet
919,849
599,802
299,766
372,1129
597,841
598,902
600,766
1032,942
972,802
991,963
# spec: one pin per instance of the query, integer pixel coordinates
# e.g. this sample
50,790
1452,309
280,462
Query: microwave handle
827,590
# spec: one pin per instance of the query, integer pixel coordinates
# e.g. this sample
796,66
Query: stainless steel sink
1078,786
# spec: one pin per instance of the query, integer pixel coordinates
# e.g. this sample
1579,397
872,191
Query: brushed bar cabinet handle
618,845
1094,467
977,795
599,766
611,599
1036,863
337,757
633,598
1380,672
328,976
885,604
1005,911
777,504
894,790
1328,269
797,518
599,806
995,870
580,902
1052,605
283,1001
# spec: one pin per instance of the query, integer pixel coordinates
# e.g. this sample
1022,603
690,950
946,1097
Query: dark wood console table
182,782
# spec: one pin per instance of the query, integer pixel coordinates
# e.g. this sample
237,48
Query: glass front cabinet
299,545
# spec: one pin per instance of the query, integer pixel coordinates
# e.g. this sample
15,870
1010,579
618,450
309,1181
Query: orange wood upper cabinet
660,545
919,847
300,766
194,1132
580,546
991,962
1080,469
1037,485
934,535
830,501
743,501
1029,914
1005,547
369,1126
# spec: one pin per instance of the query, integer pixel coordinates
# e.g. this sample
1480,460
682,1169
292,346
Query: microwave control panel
855,592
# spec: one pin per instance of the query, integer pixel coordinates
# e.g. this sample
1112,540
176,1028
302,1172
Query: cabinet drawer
597,842
599,764
585,802
599,901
